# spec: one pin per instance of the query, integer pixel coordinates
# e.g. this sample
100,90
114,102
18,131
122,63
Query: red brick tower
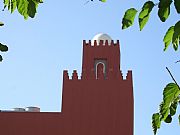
101,102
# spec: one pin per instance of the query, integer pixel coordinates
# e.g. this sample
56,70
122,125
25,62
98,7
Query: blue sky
41,48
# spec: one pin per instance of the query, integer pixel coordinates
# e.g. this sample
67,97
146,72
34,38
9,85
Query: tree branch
172,77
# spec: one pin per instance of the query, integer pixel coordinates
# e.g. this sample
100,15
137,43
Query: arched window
100,69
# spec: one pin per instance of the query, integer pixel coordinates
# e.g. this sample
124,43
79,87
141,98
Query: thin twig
172,77
86,2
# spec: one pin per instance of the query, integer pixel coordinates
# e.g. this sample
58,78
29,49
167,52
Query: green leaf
22,6
13,5
173,108
170,94
176,36
3,48
1,58
1,23
103,0
9,5
179,119
164,111
168,119
6,2
164,9
31,8
168,37
40,1
156,123
128,18
177,5
144,14
26,8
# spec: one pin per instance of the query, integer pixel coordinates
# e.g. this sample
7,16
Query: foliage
27,8
156,123
145,13
1,23
171,93
102,0
173,33
164,9
129,18
3,48
168,106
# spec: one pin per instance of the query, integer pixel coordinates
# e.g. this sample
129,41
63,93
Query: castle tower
99,101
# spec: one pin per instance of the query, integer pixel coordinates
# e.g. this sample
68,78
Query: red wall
98,107
31,123
90,106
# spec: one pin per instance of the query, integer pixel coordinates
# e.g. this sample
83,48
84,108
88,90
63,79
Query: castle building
97,102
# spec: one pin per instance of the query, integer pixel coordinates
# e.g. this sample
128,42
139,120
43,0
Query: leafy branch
168,107
173,33
171,93
27,8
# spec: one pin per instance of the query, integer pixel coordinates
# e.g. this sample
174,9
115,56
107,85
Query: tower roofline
100,43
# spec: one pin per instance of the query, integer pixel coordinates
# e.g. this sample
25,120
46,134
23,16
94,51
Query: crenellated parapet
73,77
95,43
110,76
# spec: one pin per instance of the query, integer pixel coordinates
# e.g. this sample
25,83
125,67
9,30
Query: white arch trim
103,67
